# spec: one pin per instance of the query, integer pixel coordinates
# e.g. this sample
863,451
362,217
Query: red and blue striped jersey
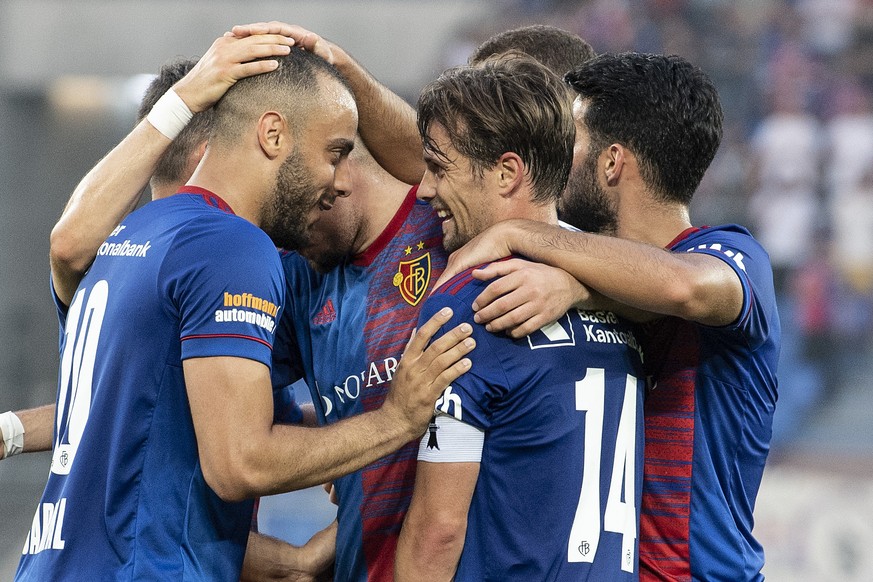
348,329
708,424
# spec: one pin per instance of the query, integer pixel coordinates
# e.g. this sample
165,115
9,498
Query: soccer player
349,322
135,502
264,555
358,232
647,128
532,467
354,304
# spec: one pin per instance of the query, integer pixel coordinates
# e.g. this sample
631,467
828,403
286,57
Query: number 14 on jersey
619,516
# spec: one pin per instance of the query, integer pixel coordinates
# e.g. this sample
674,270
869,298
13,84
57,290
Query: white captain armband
448,440
169,114
12,432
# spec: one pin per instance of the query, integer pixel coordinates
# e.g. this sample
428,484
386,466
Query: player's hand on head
526,296
425,371
487,246
303,37
229,59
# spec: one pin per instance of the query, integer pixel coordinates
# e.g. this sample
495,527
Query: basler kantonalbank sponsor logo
248,308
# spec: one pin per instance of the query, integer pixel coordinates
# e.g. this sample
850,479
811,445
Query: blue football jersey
126,499
345,332
708,424
560,477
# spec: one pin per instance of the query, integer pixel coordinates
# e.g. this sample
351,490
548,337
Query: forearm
269,558
641,276
387,123
422,557
599,302
295,457
101,200
38,426
243,454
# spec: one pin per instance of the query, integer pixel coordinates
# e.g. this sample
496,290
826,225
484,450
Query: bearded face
584,203
293,206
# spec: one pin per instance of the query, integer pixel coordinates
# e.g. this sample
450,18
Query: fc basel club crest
412,278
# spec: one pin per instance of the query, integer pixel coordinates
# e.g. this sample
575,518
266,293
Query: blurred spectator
725,183
849,182
785,201
827,24
815,290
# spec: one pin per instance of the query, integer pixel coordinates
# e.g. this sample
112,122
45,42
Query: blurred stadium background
795,165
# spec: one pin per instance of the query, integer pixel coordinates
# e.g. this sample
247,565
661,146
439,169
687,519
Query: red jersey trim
229,335
453,285
683,235
365,258
210,198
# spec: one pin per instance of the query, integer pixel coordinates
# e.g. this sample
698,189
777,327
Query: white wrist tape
169,114
12,432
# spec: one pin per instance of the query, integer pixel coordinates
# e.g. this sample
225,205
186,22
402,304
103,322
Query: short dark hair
290,89
173,165
558,49
662,108
510,103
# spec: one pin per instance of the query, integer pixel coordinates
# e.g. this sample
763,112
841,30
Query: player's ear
616,159
274,135
509,173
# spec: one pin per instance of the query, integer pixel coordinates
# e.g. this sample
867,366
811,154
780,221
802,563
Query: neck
653,222
241,188
164,189
528,210
380,197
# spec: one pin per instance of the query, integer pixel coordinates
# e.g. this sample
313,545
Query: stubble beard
286,212
585,205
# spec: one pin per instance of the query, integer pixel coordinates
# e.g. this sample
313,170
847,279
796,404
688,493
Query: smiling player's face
315,172
452,187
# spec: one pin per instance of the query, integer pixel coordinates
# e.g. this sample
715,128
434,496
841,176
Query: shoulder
221,235
732,243
461,285
218,243
707,236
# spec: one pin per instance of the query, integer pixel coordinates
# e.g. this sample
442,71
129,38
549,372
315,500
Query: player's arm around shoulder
694,286
701,288
243,454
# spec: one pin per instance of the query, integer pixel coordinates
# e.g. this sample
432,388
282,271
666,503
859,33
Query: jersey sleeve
471,398
449,440
745,256
225,280
287,364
